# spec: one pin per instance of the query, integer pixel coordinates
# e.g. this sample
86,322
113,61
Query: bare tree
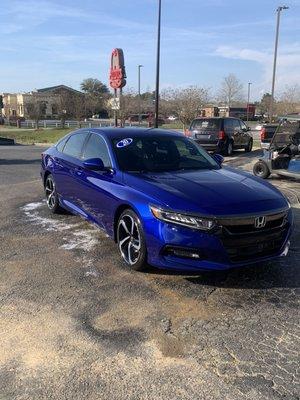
289,100
231,90
78,107
129,104
70,105
186,103
36,109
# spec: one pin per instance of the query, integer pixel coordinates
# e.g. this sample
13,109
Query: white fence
69,124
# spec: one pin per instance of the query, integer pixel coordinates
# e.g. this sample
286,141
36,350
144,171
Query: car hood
224,191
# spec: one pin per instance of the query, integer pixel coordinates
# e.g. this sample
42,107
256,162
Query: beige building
15,105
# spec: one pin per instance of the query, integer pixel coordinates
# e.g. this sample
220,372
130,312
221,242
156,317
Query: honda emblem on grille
260,222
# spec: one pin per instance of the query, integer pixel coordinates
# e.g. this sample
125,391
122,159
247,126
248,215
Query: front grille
241,226
243,249
244,242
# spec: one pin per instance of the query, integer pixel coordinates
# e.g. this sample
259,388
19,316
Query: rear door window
75,144
206,124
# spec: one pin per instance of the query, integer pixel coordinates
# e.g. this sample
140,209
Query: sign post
117,79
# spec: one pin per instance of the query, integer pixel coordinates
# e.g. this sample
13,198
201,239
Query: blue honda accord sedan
165,201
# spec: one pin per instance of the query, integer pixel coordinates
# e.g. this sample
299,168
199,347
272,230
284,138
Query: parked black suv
221,135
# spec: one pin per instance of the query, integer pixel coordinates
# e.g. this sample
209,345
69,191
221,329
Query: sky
51,42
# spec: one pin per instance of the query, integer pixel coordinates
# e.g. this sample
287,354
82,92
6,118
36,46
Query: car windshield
206,123
160,154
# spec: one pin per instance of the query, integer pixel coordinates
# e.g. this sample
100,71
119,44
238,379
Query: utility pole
279,9
248,101
139,90
157,66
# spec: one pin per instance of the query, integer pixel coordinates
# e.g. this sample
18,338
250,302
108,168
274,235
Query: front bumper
211,251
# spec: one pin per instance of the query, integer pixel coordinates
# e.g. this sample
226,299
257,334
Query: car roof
133,132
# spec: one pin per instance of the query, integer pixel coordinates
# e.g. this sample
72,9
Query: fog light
182,252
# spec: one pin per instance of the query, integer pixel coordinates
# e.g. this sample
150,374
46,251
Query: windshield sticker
124,142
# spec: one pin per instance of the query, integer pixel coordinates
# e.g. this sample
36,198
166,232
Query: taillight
263,134
222,135
188,133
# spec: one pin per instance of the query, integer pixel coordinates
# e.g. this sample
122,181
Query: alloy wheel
129,239
50,193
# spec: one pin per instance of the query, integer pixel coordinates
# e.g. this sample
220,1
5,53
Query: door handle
78,171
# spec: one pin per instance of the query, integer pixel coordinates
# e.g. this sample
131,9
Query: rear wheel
261,170
249,146
51,195
131,242
229,148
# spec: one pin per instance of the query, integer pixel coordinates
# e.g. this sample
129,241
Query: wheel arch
122,207
46,174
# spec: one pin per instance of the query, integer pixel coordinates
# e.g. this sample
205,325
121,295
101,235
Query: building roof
58,87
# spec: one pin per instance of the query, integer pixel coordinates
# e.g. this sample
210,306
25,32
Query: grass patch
175,125
29,136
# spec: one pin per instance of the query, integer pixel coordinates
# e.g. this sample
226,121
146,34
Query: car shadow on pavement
19,161
283,272
239,159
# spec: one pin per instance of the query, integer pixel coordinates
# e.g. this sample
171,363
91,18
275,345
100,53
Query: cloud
288,63
19,15
31,13
242,54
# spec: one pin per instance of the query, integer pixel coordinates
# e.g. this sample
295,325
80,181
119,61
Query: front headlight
190,221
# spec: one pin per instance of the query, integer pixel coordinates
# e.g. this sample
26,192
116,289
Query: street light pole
279,9
248,101
139,91
157,66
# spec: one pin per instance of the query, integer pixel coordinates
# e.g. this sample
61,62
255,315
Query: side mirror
94,164
248,128
218,158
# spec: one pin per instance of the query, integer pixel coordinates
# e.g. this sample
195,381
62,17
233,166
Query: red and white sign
117,75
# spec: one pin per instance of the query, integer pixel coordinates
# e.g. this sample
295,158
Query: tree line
185,103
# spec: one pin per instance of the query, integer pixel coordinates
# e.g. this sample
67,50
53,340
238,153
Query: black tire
131,240
51,195
261,170
229,148
249,146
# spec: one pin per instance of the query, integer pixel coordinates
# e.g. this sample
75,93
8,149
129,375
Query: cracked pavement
77,324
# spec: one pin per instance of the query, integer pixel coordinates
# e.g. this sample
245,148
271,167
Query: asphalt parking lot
77,324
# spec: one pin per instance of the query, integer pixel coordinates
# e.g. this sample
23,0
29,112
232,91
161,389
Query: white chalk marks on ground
79,236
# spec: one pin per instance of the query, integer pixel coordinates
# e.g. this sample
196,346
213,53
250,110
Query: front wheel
131,242
229,148
261,170
249,146
51,195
